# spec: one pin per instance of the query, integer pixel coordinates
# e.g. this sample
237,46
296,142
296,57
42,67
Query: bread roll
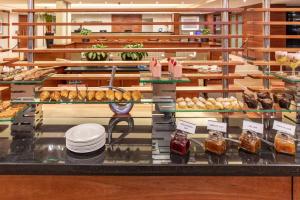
55,96
64,94
110,95
44,96
82,95
99,96
136,95
127,96
182,105
91,95
72,95
118,95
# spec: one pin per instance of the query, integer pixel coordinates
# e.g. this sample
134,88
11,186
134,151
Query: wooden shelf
4,50
79,50
273,23
119,23
4,24
8,61
261,49
264,63
101,36
261,76
67,63
276,36
3,89
261,89
137,76
147,89
273,10
4,37
131,10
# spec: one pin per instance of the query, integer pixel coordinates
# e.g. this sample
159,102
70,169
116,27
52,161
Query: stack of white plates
85,138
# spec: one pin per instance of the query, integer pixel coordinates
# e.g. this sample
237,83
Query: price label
217,126
253,126
186,127
284,127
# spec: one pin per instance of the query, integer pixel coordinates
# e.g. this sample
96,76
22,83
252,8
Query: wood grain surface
296,188
140,188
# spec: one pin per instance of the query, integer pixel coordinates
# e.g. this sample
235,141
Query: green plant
85,31
48,17
97,56
133,55
205,31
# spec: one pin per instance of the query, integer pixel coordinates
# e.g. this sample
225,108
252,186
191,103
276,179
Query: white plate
80,144
86,149
85,133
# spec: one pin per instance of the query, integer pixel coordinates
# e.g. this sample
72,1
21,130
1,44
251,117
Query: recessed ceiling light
245,1
80,2
157,2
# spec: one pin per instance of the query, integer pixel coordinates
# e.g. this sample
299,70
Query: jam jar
215,143
285,143
250,142
180,144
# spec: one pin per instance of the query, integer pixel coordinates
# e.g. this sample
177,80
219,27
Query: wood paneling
150,187
296,188
126,18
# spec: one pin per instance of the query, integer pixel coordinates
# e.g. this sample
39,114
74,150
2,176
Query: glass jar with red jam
180,144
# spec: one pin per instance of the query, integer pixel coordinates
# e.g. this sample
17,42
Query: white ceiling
142,3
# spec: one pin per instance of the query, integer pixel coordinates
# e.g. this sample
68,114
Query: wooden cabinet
144,187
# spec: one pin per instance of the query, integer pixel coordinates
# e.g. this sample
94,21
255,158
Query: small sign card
253,126
284,127
217,126
186,127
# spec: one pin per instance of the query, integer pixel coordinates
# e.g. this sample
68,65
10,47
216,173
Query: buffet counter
38,159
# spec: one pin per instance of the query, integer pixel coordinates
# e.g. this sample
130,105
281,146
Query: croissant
55,96
118,95
90,95
72,95
82,95
99,95
136,95
127,96
110,95
64,94
44,95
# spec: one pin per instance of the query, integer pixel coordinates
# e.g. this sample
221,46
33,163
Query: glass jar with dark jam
180,144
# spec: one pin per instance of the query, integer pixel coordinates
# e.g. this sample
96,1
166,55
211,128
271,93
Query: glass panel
165,79
27,82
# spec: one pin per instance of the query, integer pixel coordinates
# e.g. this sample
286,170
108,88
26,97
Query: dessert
136,95
250,101
64,94
266,103
190,104
285,103
285,143
118,95
200,105
215,143
72,95
182,105
99,95
263,95
82,95
110,95
44,96
90,95
127,96
250,142
55,96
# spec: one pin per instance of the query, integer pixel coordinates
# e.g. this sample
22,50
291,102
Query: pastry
235,105
219,106
182,105
241,104
215,143
212,100
202,99
285,143
284,103
232,98
187,99
277,97
250,101
4,105
127,96
250,142
220,99
64,94
209,106
82,95
44,96
195,99
99,95
110,95
200,105
266,103
72,95
263,95
179,99
55,96
91,95
118,95
190,104
227,105
136,95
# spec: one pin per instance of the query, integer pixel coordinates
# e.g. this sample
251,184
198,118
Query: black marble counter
43,152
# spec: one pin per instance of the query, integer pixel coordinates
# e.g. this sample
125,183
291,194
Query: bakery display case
152,111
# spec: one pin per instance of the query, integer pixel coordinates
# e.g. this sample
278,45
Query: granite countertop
43,151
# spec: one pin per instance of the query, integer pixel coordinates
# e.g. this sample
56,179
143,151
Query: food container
250,142
266,104
285,143
215,143
180,144
171,65
177,70
156,70
250,101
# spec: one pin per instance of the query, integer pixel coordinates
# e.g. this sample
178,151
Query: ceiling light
209,1
80,2
182,2
245,1
157,2
131,2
